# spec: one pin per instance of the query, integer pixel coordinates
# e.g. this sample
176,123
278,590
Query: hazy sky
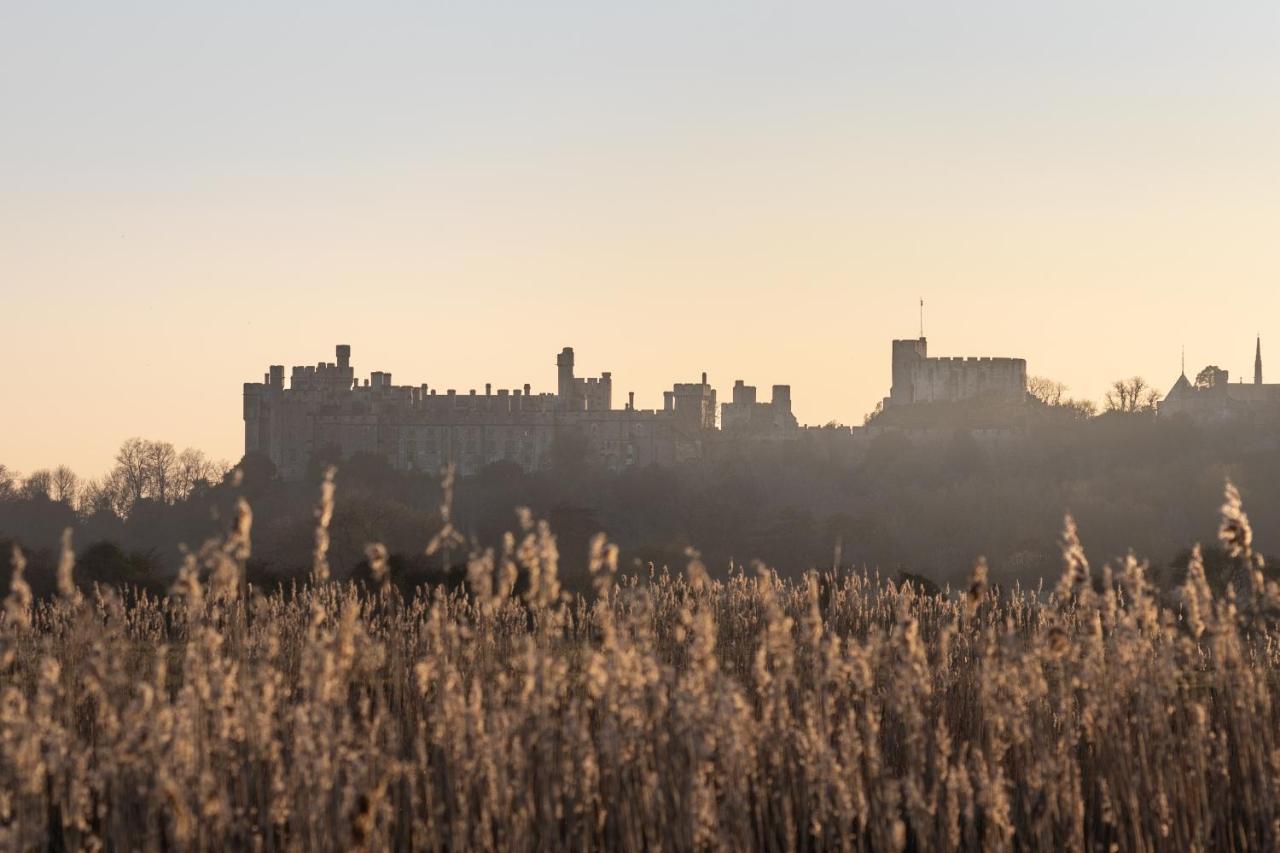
760,191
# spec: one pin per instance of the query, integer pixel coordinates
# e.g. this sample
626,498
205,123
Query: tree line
144,470
899,502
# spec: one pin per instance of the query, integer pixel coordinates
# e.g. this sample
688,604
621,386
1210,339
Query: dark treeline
928,507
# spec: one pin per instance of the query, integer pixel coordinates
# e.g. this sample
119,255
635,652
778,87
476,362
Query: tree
193,468
1053,395
65,485
153,469
1047,391
131,469
8,483
38,484
1211,376
103,496
1131,396
1081,409
161,462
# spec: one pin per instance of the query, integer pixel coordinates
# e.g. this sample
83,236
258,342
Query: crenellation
918,378
744,416
326,407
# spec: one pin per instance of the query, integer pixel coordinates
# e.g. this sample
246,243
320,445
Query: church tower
1257,363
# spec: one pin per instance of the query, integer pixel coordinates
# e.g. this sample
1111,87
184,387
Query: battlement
972,359
419,426
745,416
917,378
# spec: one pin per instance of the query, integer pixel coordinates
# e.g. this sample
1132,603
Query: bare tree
161,462
193,468
105,495
8,482
1131,396
65,485
155,470
1082,409
131,468
1047,391
38,484
1053,394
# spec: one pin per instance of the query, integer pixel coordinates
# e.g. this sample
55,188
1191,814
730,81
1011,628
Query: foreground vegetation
662,712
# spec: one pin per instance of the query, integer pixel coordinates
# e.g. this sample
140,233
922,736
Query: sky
191,192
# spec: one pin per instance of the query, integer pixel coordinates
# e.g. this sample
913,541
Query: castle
1213,398
325,410
917,378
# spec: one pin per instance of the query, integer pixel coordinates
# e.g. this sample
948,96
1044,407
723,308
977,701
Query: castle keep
917,378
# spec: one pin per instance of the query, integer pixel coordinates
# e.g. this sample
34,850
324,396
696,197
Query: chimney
631,400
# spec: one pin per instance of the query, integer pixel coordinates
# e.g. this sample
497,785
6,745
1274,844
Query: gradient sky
760,191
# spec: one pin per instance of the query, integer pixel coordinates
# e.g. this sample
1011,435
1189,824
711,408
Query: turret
782,398
907,355
564,367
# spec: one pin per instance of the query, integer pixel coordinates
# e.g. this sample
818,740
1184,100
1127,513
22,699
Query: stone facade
324,408
744,415
917,378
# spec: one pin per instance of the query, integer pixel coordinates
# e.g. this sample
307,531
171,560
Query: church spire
1257,363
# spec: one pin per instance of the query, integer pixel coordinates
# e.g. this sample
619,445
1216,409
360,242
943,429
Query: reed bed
666,711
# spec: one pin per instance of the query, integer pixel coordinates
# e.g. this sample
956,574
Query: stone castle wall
917,378
418,428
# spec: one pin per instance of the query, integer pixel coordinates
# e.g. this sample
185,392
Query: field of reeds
668,711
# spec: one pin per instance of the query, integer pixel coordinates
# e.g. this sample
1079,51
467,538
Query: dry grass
673,713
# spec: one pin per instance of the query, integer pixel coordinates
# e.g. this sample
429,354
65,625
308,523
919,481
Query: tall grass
670,712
